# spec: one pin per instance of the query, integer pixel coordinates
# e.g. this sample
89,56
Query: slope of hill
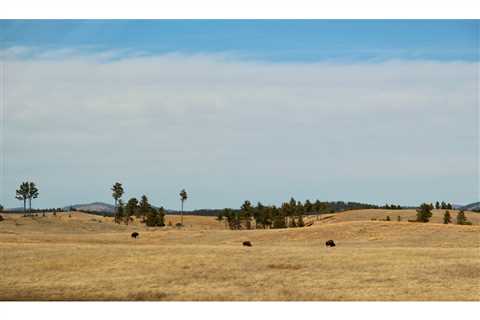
94,206
78,256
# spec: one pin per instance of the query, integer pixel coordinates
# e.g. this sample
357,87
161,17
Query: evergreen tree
447,218
117,192
437,205
32,194
22,194
144,207
300,222
443,205
155,217
462,219
308,206
119,213
131,209
449,206
246,213
424,213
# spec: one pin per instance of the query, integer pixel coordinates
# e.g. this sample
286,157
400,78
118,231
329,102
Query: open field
86,257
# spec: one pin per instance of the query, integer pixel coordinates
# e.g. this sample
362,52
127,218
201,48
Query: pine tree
424,213
22,194
437,205
246,213
300,222
155,217
131,209
32,194
308,206
462,219
447,218
119,213
117,192
144,207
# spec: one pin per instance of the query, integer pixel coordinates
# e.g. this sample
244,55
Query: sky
354,110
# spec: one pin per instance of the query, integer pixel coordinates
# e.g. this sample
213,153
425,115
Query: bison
330,243
135,235
247,243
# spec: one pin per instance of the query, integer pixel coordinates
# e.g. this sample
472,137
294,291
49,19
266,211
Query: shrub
388,218
1,218
399,218
169,223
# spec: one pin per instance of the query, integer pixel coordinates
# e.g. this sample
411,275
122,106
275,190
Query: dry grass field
87,257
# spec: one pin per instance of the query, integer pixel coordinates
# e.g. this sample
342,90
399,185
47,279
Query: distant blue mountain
472,206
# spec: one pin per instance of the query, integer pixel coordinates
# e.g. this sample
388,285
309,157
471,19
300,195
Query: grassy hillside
81,258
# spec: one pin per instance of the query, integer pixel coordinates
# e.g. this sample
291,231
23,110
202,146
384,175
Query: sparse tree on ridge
32,194
22,194
183,198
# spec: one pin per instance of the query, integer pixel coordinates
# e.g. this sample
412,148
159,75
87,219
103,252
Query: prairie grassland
80,258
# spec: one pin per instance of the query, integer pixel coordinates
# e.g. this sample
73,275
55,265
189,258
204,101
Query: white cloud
215,124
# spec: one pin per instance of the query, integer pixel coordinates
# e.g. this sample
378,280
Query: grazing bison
135,235
247,243
330,243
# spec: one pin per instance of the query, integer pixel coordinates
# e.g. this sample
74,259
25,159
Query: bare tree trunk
30,205
181,215
25,207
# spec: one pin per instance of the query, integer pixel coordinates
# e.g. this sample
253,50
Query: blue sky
272,40
369,111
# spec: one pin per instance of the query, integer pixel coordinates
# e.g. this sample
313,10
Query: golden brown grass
80,258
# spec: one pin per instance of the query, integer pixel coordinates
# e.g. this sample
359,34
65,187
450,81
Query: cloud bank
229,130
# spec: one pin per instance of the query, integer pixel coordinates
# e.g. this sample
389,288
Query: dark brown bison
135,235
247,243
330,243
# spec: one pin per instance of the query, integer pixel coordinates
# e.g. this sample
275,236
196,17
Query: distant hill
472,207
93,207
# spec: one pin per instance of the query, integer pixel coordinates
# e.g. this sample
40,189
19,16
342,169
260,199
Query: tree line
289,215
424,213
143,210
